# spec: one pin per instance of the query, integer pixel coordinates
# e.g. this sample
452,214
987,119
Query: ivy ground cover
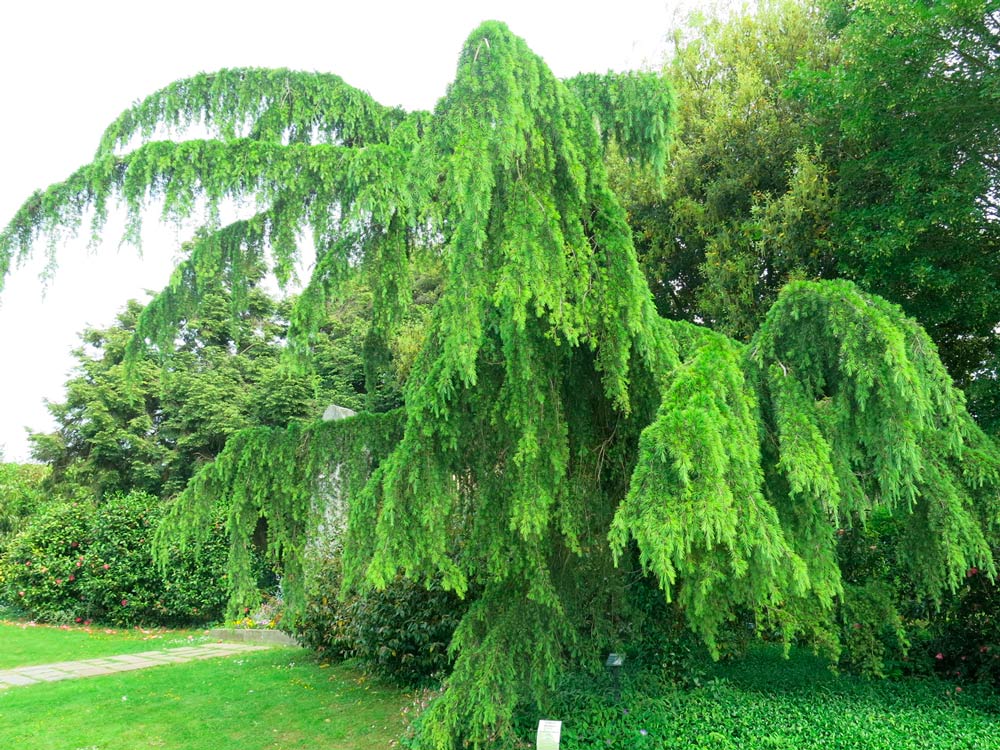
764,701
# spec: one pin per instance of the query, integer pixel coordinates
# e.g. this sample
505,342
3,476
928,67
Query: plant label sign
548,735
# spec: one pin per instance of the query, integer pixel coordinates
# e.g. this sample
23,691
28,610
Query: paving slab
66,670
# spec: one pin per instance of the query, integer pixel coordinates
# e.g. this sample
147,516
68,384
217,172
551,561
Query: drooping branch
636,110
277,106
275,474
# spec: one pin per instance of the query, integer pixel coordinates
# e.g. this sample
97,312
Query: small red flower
971,572
106,566
28,564
20,593
74,545
940,656
79,619
71,577
59,582
958,690
79,563
124,602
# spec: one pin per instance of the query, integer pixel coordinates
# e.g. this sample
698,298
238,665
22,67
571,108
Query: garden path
66,670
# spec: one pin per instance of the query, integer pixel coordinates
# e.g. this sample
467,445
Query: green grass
283,699
267,699
23,645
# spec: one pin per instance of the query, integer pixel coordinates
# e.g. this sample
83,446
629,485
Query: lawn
279,698
282,699
24,644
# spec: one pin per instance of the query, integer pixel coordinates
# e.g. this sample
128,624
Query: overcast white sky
67,69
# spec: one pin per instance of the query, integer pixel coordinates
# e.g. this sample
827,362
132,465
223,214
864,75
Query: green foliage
966,633
147,423
324,623
131,590
546,404
124,592
107,435
767,702
76,561
303,460
43,569
21,496
744,205
910,112
635,111
401,633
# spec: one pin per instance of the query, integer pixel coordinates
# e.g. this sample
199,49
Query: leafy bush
21,496
124,587
78,561
963,638
888,631
44,565
122,584
401,633
323,625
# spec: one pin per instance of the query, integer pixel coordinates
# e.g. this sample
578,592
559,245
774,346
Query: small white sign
548,734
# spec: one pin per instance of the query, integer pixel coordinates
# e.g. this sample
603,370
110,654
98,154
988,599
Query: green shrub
122,585
962,641
21,496
194,582
44,566
125,587
401,633
323,625
85,562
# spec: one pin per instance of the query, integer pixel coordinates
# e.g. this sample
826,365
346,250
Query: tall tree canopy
557,436
913,122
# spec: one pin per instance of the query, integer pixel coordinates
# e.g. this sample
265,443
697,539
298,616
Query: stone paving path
66,670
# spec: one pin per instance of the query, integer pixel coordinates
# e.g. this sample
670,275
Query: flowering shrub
122,585
93,562
43,568
964,637
125,587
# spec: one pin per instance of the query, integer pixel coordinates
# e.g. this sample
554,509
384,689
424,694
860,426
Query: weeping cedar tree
557,435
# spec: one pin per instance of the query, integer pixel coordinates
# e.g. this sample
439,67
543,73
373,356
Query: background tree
139,425
558,438
746,203
910,118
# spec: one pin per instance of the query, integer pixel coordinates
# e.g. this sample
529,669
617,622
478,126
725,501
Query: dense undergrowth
766,701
